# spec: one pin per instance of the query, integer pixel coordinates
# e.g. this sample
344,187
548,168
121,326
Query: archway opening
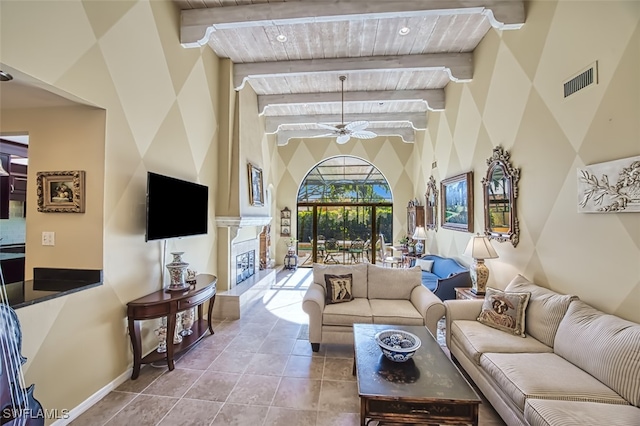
344,205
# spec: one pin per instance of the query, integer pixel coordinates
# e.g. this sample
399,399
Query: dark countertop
50,283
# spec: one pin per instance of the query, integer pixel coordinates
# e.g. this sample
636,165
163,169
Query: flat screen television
175,207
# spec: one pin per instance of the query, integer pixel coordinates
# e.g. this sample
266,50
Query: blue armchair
445,275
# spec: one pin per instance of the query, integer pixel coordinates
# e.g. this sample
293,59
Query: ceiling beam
407,134
417,119
434,98
459,66
196,25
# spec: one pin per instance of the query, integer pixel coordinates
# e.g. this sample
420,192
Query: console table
163,303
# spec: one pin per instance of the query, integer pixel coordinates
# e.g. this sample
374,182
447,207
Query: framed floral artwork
61,192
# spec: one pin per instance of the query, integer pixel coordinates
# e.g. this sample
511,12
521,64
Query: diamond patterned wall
515,100
161,106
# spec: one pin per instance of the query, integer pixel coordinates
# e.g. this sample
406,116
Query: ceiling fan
344,132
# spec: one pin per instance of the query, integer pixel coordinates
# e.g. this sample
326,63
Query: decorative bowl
398,345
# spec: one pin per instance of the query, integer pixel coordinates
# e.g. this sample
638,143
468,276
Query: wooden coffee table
427,389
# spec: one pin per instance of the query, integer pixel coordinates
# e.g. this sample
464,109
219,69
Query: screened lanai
344,204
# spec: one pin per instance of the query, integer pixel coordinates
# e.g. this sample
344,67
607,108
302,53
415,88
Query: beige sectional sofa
380,296
576,365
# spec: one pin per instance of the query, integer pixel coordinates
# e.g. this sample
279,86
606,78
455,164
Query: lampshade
420,233
480,247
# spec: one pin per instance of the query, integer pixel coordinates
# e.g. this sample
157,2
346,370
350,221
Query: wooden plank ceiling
398,56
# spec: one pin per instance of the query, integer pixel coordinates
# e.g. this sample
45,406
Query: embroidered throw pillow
504,311
338,288
424,264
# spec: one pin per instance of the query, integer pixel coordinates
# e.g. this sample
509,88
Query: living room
148,104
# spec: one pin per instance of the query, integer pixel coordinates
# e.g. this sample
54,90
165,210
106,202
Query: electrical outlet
48,238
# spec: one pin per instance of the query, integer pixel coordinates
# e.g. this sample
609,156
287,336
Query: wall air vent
583,79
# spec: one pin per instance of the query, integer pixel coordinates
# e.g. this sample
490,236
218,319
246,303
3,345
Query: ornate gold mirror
500,188
431,205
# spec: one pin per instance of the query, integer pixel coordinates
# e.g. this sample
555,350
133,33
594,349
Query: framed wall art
431,205
285,222
61,192
256,197
457,202
610,187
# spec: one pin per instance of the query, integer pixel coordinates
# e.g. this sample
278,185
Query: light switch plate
48,238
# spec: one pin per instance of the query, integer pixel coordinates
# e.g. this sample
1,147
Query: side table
466,293
163,303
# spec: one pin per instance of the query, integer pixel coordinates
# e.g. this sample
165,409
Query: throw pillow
338,288
504,311
424,264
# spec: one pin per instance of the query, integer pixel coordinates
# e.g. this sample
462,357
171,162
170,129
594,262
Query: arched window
344,204
345,179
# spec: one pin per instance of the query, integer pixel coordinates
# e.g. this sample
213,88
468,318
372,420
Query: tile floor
258,370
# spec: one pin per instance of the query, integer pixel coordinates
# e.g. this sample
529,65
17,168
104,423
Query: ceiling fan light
342,139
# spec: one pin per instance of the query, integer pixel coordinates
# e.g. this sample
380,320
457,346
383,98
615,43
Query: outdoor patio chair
355,250
331,248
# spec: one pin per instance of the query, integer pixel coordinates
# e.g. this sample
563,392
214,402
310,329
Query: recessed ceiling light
281,38
404,30
5,76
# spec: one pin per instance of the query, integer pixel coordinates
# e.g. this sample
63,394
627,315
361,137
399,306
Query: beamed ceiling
393,80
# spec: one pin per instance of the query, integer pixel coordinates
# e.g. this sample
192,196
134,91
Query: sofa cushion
430,280
401,312
540,412
392,283
338,288
544,311
605,346
475,338
505,310
425,264
545,376
348,313
358,271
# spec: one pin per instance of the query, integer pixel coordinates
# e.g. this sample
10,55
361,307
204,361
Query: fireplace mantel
235,223
239,222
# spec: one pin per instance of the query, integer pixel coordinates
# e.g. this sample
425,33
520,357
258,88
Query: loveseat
442,274
378,296
576,365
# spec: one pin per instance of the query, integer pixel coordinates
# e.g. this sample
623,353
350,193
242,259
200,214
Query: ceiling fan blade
327,127
364,134
342,139
326,135
356,126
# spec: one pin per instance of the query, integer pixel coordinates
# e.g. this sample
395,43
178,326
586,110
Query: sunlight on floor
284,298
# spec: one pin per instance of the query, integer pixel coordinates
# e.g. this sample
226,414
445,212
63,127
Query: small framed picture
285,231
61,192
255,186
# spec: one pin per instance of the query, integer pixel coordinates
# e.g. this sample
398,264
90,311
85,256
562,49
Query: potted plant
291,245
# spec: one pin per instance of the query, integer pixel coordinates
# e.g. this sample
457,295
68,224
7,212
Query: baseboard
93,399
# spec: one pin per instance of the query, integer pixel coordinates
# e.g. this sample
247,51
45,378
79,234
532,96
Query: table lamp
479,248
420,234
